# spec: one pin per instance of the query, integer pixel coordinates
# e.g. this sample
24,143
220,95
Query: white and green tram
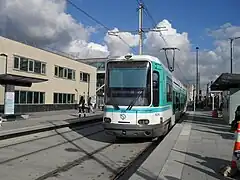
142,98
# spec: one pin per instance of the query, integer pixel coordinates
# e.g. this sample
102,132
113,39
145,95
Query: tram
142,97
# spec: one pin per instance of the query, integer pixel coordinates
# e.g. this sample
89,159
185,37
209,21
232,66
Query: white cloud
154,42
120,43
211,62
46,23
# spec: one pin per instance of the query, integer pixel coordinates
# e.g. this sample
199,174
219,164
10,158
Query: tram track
96,157
72,164
28,150
53,133
35,136
121,173
130,168
68,154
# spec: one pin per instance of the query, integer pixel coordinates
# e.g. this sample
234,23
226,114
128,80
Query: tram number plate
157,114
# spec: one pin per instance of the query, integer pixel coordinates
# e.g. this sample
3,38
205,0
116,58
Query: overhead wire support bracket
171,68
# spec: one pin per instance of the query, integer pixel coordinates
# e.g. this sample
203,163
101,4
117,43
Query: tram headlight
143,121
107,120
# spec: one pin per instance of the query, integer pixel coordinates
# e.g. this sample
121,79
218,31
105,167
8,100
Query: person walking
81,107
90,105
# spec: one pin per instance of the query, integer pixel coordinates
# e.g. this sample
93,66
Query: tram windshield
126,80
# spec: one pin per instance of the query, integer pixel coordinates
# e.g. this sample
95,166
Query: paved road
65,154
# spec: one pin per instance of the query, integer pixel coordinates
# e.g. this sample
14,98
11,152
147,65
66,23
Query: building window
56,71
29,65
43,68
23,97
60,72
29,97
63,72
16,97
63,98
16,63
84,77
37,67
23,64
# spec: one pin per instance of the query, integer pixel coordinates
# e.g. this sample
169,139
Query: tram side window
174,102
169,90
155,88
178,101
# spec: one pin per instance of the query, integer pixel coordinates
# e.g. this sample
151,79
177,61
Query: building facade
99,63
63,79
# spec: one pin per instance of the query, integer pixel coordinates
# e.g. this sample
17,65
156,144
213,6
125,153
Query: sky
58,25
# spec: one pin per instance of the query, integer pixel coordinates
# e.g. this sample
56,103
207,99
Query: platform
195,149
45,120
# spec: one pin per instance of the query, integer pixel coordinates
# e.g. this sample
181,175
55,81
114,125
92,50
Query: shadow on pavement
207,119
207,124
213,164
147,175
224,135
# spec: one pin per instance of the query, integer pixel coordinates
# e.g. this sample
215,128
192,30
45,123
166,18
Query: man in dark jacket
236,119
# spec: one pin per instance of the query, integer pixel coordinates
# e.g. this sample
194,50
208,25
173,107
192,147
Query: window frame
26,102
64,74
17,65
18,59
31,61
85,79
63,96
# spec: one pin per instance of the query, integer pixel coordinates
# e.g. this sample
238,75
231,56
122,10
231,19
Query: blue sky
189,16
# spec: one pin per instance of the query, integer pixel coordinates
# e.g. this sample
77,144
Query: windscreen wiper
134,101
114,104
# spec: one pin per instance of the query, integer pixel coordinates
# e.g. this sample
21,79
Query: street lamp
6,56
197,90
231,51
194,100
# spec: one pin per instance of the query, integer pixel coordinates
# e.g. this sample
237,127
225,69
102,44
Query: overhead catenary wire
154,23
98,22
147,12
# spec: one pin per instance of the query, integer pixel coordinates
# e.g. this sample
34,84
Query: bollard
232,170
214,113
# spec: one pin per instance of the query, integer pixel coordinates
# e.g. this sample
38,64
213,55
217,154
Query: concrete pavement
194,149
41,121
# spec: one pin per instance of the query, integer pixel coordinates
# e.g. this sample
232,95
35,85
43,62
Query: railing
98,89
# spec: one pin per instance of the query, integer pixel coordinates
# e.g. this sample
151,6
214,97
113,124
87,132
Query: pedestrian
81,107
90,105
1,120
234,123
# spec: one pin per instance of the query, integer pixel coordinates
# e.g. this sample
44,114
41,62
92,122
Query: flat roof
55,52
225,82
17,80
